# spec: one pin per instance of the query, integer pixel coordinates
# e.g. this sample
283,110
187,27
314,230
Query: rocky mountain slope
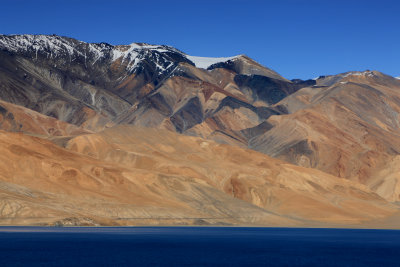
346,125
146,134
94,85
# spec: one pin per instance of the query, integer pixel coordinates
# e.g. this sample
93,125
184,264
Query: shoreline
3,227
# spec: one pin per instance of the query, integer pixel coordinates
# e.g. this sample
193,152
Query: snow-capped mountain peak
53,46
68,49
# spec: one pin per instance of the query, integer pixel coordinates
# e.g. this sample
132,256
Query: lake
197,246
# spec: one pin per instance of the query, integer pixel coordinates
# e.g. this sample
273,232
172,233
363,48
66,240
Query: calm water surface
197,246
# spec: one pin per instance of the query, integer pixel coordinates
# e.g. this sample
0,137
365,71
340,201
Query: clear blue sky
297,38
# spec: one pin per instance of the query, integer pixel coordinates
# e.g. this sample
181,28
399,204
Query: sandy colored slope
43,183
136,176
273,185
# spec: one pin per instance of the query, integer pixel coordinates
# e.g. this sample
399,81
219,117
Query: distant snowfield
358,73
205,62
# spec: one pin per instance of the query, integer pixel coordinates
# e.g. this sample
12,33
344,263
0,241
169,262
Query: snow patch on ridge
359,73
127,54
206,62
52,45
131,54
131,51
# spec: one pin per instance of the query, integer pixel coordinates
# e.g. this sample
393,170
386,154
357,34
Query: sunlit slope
244,174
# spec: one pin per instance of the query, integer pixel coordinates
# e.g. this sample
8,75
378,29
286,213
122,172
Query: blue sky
297,38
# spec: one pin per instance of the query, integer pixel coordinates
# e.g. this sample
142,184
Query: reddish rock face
134,133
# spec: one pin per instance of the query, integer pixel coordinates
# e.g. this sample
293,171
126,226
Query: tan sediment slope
270,184
42,183
137,176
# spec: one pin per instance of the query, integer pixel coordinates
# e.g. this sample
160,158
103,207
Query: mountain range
140,134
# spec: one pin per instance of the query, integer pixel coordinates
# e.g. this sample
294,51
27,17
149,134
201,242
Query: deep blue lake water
197,246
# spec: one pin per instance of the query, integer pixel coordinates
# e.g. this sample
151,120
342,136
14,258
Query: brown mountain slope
350,129
94,86
43,183
136,176
216,104
265,182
